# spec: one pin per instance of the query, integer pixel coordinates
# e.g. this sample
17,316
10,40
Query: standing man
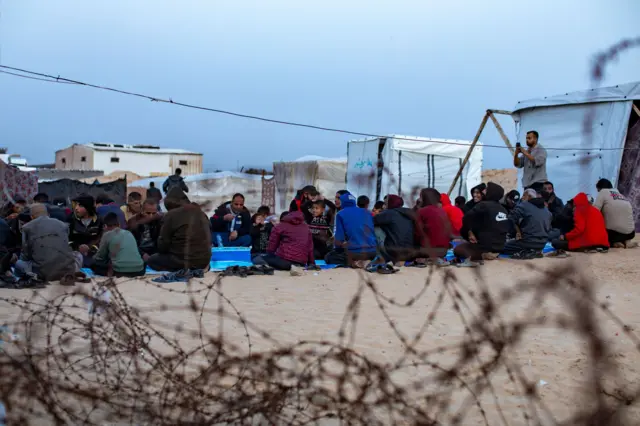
154,193
533,161
175,180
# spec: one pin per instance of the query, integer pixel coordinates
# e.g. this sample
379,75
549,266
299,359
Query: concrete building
143,160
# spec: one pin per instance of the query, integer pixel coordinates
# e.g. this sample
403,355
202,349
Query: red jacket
589,229
434,229
291,240
453,213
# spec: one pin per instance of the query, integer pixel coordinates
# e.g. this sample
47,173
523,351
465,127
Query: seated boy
363,202
146,226
319,220
260,233
118,252
290,244
133,206
589,231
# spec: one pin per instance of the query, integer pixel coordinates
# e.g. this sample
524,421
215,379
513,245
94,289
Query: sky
413,67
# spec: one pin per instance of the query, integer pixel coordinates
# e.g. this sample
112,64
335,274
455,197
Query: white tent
213,189
326,174
582,159
404,164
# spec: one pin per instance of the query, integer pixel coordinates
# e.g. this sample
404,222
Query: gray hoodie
533,219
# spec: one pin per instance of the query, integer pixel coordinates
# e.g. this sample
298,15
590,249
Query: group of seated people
55,242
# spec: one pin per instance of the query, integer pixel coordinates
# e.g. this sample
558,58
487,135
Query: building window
83,159
64,161
115,160
183,162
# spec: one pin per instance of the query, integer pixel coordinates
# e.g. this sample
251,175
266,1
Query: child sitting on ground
290,244
260,233
118,252
319,220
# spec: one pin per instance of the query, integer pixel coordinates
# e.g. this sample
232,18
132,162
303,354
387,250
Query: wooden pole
500,111
466,158
636,109
502,134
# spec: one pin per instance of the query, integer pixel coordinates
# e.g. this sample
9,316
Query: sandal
81,277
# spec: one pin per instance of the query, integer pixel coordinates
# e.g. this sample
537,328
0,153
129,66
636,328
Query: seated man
556,207
185,237
618,214
55,212
105,205
45,247
231,224
118,253
454,214
290,244
434,228
485,228
85,228
145,227
133,206
354,239
397,223
589,232
533,222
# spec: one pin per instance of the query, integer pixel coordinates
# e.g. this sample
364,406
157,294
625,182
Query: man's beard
546,195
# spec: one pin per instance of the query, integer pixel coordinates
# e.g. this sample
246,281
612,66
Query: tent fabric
212,189
629,181
327,175
14,182
621,92
410,165
69,189
570,170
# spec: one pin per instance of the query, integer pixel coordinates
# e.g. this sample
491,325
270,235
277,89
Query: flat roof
145,149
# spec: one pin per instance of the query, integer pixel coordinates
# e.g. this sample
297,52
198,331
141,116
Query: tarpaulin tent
402,165
577,159
69,189
326,174
15,182
212,189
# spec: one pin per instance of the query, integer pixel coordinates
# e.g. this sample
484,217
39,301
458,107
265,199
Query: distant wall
506,178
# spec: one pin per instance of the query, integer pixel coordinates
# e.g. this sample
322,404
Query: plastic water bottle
219,240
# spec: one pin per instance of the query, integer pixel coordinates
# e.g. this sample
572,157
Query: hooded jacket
434,231
453,213
174,181
354,226
533,219
185,231
241,223
46,244
488,221
398,226
589,229
85,231
471,204
291,240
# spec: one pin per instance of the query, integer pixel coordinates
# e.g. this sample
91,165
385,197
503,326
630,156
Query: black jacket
471,204
488,220
88,234
140,229
155,194
174,181
398,226
556,207
260,237
218,224
533,219
564,220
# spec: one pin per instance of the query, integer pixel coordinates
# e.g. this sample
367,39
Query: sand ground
312,307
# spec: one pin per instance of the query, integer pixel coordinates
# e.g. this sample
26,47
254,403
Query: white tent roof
455,148
307,158
620,92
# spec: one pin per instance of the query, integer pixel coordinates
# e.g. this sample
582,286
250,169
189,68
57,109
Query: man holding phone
533,161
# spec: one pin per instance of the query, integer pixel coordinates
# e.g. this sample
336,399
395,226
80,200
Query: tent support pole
466,158
499,111
636,109
502,134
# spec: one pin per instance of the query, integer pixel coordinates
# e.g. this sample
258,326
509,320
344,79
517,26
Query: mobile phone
518,145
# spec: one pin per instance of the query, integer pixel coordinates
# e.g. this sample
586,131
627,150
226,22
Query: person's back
589,226
534,221
398,226
119,247
354,226
185,231
175,181
616,209
488,220
454,214
154,193
291,239
46,244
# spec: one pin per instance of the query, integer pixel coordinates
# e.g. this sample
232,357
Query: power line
58,79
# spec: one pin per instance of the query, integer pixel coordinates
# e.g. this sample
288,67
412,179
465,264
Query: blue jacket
354,226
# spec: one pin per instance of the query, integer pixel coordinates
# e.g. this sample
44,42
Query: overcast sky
414,67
